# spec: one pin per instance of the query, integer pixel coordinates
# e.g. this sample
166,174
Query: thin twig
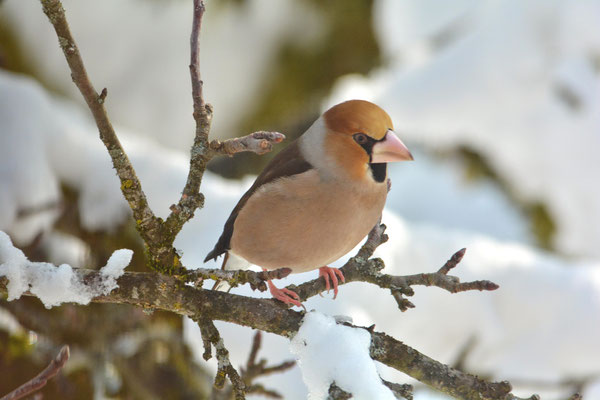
511,396
258,142
54,205
203,151
147,223
42,378
404,390
191,198
361,268
158,236
337,393
453,261
256,342
255,370
211,335
376,238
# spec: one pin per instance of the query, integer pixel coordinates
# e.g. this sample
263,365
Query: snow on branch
158,235
19,276
329,352
163,292
55,285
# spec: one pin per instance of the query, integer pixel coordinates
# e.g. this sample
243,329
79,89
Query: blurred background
499,101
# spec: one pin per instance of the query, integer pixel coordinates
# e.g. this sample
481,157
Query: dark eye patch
365,141
379,170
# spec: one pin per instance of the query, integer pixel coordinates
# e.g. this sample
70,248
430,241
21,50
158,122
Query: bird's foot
285,295
331,273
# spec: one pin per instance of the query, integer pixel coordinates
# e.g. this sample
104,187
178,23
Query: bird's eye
360,138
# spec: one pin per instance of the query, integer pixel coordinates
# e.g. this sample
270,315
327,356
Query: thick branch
42,378
235,278
398,390
147,223
157,291
457,384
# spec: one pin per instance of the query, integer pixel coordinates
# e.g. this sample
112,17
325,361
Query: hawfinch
317,199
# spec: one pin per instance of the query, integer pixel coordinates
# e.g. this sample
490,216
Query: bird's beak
390,149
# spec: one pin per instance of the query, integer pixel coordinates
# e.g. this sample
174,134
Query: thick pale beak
390,149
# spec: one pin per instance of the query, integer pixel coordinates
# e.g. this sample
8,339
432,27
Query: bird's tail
231,262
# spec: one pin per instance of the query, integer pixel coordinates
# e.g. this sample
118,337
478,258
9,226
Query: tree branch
400,390
235,278
258,142
162,292
148,225
202,151
191,198
158,236
170,293
254,369
363,269
210,335
42,378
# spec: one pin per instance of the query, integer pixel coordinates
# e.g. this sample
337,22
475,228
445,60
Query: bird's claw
331,273
284,295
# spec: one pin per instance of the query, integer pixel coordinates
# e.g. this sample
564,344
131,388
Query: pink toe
284,295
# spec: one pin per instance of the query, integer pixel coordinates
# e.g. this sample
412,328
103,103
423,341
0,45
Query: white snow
143,58
329,352
496,84
439,194
492,86
52,284
542,323
27,180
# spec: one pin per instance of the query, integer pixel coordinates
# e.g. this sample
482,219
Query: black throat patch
379,171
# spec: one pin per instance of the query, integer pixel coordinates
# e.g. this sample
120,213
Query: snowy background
498,100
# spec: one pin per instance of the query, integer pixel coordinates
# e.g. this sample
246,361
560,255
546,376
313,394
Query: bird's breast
304,223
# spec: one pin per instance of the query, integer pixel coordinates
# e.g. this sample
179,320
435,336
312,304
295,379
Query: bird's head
358,133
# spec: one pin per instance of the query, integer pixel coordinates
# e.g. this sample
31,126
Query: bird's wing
288,162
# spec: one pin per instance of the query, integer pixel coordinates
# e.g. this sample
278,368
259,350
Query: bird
316,199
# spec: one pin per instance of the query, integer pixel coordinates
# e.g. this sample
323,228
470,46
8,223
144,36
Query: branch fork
362,268
160,291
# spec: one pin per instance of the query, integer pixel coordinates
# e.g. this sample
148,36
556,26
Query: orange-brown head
358,116
359,134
